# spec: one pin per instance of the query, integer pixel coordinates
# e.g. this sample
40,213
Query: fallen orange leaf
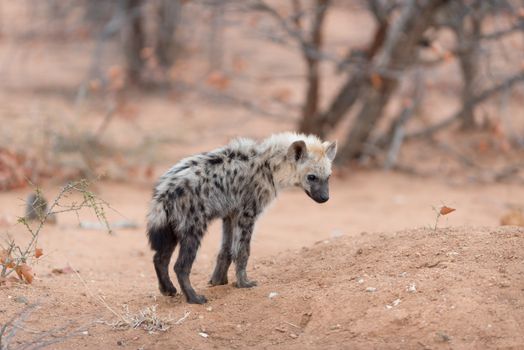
3,255
446,210
38,252
376,81
218,80
6,260
25,273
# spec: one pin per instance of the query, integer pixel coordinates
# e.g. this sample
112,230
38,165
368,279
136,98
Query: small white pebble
360,281
389,307
336,233
203,335
396,302
272,295
209,308
412,288
85,333
371,289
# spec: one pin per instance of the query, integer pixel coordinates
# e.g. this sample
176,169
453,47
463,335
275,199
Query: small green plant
15,258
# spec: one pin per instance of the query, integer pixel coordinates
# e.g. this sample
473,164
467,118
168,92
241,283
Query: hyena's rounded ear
331,149
297,151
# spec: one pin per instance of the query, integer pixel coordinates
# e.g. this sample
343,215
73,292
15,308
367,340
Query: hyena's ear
331,149
297,151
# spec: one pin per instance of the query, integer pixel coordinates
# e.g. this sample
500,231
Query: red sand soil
320,259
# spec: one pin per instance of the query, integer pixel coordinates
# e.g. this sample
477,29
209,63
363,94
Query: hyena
234,183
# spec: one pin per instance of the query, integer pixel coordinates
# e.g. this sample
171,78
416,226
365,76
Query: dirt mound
417,289
459,288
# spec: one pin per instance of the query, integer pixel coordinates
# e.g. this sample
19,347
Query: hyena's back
210,185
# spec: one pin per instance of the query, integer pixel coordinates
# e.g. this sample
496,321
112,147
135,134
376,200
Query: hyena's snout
319,192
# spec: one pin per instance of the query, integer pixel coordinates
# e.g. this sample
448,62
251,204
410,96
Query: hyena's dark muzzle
319,191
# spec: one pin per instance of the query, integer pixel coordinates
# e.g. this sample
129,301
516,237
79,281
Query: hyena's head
313,167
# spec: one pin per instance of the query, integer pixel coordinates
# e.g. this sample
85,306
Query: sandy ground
320,259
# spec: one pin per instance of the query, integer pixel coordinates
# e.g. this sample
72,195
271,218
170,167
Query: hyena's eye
311,177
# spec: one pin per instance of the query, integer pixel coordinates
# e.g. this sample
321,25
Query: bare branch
518,27
506,84
398,128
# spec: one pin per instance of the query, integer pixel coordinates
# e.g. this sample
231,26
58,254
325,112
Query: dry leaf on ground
38,252
25,273
446,210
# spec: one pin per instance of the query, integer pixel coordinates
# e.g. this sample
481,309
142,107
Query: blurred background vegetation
114,88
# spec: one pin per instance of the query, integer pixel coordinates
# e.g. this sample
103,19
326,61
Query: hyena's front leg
241,250
219,276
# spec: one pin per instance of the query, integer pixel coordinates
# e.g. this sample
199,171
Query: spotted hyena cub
234,183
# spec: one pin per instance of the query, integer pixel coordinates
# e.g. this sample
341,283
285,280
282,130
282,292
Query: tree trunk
308,123
399,52
134,40
469,47
322,123
366,120
216,35
168,17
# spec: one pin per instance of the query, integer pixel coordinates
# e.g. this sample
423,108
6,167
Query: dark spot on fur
243,157
218,185
232,155
170,196
215,161
179,191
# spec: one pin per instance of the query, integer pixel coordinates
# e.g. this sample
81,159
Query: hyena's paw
168,291
245,284
197,299
218,281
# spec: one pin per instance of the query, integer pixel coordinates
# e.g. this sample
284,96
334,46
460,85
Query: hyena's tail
159,230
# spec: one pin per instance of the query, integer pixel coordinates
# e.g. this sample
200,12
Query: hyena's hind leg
163,241
241,251
224,257
188,249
